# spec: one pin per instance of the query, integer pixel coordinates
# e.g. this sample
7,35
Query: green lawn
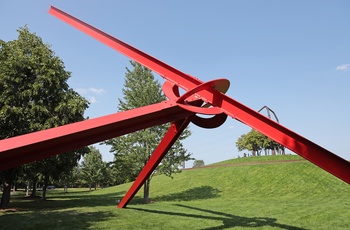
289,195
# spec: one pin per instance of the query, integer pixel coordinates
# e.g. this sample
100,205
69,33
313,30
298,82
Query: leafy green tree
92,168
198,163
69,180
274,147
109,175
56,167
256,142
34,95
252,141
133,150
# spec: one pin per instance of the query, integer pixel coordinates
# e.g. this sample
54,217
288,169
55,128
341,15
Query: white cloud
90,90
92,100
96,91
343,67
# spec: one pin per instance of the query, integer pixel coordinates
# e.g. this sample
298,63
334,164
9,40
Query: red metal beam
300,145
39,145
152,63
169,139
293,141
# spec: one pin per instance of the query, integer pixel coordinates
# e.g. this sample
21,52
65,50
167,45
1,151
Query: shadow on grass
198,193
228,220
67,200
53,220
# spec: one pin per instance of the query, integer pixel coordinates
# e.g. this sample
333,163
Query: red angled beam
39,145
169,139
129,51
293,141
300,145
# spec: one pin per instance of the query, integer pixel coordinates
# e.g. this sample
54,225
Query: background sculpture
180,110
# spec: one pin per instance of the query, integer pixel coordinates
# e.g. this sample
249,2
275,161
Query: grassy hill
272,192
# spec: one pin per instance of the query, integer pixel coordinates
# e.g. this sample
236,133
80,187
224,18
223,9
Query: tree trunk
27,188
44,191
46,182
7,185
146,186
35,182
6,195
282,150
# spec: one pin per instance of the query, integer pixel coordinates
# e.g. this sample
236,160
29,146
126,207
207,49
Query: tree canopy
92,167
256,142
198,163
35,95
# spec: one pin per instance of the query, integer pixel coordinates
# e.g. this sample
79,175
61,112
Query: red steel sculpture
199,98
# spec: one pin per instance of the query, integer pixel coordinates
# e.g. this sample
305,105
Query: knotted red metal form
199,98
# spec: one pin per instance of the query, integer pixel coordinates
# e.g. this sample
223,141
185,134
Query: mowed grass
283,195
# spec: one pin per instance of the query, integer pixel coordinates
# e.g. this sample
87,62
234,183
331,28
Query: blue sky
293,56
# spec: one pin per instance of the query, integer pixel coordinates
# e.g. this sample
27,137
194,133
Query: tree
252,141
34,94
109,175
133,150
256,142
92,168
71,179
59,166
198,163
